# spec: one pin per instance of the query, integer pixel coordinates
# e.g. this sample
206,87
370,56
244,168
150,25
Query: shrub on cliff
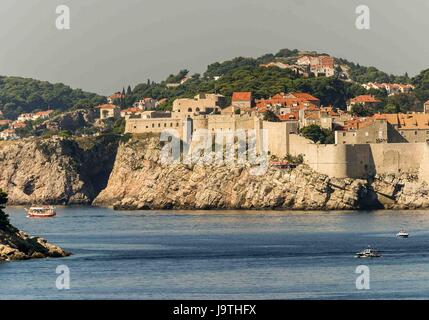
318,135
4,218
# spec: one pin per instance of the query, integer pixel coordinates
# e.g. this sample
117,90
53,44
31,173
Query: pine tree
4,218
129,91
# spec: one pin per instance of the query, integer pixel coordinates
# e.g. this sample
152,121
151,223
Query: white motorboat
368,253
402,234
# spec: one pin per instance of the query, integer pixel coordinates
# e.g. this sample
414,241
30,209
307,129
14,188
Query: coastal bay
222,254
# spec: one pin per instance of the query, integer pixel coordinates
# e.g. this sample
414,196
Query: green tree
317,134
4,218
271,117
361,110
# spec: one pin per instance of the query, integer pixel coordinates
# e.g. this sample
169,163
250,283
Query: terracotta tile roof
18,124
357,123
5,122
288,116
131,110
242,96
44,113
303,96
117,95
365,99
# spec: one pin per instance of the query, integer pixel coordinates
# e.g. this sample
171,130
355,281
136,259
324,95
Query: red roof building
242,99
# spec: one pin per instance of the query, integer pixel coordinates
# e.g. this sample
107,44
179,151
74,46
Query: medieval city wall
362,160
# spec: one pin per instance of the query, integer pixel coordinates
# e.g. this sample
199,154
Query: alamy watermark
63,280
363,18
363,280
62,21
218,147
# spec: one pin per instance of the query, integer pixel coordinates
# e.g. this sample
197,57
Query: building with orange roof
318,64
116,96
109,111
363,130
367,101
18,125
5,122
242,99
391,88
130,111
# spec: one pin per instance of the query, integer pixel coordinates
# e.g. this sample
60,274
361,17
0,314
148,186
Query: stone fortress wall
336,160
363,160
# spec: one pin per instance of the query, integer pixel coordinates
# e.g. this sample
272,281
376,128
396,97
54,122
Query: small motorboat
402,234
368,253
41,212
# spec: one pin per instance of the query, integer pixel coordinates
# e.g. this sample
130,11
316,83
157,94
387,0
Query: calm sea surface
223,255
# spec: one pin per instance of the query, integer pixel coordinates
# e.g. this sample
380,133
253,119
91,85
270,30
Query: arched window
189,109
197,109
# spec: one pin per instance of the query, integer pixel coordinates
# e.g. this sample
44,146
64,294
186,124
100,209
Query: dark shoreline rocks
17,245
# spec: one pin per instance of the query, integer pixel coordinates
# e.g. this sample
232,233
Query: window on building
189,109
159,125
153,125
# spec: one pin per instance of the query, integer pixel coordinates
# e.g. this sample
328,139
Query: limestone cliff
55,170
17,245
140,181
77,171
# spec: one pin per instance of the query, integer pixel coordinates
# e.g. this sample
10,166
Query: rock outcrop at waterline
17,245
56,170
140,181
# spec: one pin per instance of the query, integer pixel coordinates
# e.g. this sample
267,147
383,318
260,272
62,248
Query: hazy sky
113,43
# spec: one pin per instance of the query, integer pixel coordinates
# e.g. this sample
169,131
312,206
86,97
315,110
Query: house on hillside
367,101
109,111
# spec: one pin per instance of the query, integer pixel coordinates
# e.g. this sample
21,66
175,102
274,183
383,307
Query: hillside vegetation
22,95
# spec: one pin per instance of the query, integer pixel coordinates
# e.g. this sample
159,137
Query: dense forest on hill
21,95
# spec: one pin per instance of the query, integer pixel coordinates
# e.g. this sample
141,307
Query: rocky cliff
129,175
140,181
17,245
56,170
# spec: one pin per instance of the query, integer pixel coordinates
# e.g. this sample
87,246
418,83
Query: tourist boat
402,234
41,212
368,253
